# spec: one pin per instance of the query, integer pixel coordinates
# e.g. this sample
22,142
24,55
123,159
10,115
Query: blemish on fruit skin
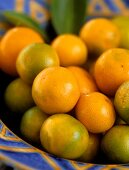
124,99
107,100
122,65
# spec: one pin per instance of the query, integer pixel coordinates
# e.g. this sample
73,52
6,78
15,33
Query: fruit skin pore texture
121,101
122,22
111,70
18,97
70,49
55,90
92,149
33,59
64,136
100,34
31,123
115,144
11,45
96,112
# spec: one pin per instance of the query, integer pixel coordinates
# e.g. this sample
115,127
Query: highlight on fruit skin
121,101
96,112
122,22
13,41
55,90
71,50
64,136
92,150
72,95
99,35
115,144
33,59
31,122
18,97
111,70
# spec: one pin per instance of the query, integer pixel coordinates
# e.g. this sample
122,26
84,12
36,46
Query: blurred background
40,9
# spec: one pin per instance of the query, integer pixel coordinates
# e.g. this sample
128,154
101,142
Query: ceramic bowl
17,153
14,151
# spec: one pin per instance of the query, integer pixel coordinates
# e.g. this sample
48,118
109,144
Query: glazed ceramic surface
13,150
17,153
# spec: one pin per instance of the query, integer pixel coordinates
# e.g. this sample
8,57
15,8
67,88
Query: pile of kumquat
73,93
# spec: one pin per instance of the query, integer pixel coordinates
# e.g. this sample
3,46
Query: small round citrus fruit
111,70
121,101
18,96
12,43
31,123
100,34
92,149
55,90
96,112
64,136
122,22
33,59
115,144
84,79
70,49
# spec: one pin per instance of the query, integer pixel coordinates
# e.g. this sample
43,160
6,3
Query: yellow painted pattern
15,149
109,167
84,167
19,5
26,150
90,165
3,132
122,7
16,164
105,9
91,8
45,156
50,161
36,8
33,8
9,138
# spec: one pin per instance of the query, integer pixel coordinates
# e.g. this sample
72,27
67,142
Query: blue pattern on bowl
13,150
20,154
